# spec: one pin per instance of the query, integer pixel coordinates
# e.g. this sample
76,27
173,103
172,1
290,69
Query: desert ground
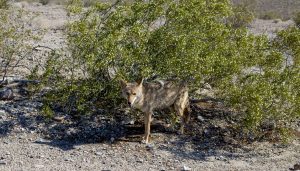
29,143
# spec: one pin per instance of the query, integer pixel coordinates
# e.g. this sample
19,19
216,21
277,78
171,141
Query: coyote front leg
147,126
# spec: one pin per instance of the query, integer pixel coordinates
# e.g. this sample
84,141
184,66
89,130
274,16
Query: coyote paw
144,141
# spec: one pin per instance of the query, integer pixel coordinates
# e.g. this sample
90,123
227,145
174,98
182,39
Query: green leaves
14,39
186,40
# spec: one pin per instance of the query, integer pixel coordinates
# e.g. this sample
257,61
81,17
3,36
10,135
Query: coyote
157,95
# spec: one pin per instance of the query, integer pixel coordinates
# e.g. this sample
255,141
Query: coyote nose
129,103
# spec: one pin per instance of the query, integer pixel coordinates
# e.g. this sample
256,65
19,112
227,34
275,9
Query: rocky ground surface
29,142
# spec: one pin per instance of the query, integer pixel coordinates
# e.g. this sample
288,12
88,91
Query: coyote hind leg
180,105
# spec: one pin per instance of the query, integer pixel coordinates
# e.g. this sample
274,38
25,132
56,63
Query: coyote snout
161,94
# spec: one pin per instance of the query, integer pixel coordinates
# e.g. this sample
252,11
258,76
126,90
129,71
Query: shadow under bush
109,42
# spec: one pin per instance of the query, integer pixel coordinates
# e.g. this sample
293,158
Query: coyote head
133,92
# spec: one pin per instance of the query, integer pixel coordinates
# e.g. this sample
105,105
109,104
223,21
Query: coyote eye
134,94
127,93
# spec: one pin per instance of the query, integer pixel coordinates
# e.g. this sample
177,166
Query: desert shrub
296,19
3,4
183,40
288,43
270,97
14,38
99,45
242,16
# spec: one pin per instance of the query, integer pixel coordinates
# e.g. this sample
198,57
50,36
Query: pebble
98,153
210,158
140,161
296,167
59,118
39,166
221,158
3,163
67,159
200,118
150,146
206,131
41,140
186,168
6,94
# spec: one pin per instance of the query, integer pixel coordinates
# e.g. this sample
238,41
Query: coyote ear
140,81
123,83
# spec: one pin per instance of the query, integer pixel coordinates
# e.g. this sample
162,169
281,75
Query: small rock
140,161
150,146
221,158
6,94
210,158
59,118
131,122
98,153
296,167
128,122
206,131
67,159
39,166
3,163
200,118
41,140
186,168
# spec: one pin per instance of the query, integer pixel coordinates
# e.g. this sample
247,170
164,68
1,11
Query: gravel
30,142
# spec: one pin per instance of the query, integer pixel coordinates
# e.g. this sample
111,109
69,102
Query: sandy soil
28,152
29,143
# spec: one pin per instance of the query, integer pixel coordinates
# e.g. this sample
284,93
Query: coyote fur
157,95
